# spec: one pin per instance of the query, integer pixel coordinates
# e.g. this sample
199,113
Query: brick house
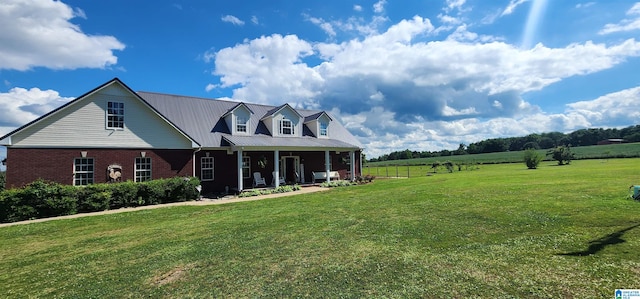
112,133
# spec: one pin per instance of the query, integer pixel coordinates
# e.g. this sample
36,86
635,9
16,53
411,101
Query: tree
532,158
562,154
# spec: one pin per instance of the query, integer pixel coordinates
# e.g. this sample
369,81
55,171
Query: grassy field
501,231
625,150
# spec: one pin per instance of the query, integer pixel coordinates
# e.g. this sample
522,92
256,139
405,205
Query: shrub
532,158
50,199
562,154
94,198
124,195
47,199
3,180
337,183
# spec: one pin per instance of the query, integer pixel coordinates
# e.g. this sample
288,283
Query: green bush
3,180
125,195
94,198
50,199
337,183
47,199
532,158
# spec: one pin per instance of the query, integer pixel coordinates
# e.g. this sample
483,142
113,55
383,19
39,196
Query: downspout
193,161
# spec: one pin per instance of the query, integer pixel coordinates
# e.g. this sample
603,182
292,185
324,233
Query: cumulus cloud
628,24
395,88
40,34
233,20
20,105
357,7
324,25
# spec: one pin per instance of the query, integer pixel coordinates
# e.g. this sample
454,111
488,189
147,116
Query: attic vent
114,173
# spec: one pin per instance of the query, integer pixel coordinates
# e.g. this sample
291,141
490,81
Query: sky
421,75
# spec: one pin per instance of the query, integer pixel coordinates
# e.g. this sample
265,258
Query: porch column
240,179
327,165
276,168
352,157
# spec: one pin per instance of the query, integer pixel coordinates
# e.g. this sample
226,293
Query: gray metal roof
202,120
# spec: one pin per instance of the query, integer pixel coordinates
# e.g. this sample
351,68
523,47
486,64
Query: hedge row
42,199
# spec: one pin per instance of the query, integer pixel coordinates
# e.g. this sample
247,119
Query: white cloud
512,6
233,20
39,34
610,109
357,7
454,4
324,25
20,105
394,89
255,20
629,24
584,5
378,7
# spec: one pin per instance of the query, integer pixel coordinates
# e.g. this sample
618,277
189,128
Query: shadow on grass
599,244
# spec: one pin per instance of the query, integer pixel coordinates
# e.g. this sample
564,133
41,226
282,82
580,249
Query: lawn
498,231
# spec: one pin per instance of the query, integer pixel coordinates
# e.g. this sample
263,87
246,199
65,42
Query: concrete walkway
203,202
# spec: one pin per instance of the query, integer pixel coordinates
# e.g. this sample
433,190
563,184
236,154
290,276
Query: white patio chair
281,179
258,180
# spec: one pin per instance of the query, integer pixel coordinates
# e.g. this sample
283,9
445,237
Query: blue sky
422,75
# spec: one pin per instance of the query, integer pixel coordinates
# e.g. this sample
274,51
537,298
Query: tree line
582,137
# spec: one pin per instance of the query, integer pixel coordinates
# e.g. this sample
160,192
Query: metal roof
202,120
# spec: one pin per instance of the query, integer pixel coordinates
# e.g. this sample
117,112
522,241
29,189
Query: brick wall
27,165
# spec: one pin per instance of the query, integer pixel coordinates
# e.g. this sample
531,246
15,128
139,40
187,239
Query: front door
290,167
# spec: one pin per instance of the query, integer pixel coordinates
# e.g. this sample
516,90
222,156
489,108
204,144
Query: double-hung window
286,127
241,124
324,129
115,115
206,168
83,171
143,169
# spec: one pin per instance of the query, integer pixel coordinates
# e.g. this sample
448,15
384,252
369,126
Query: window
286,127
115,115
241,124
246,167
82,171
143,169
206,168
324,129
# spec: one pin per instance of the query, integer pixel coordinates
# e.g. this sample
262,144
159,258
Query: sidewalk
203,202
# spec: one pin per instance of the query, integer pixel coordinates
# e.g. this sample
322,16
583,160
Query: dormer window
324,129
286,127
241,124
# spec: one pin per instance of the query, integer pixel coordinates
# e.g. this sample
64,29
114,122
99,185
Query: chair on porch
258,180
280,179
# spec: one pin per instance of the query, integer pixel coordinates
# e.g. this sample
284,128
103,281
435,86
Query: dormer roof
234,108
316,116
277,110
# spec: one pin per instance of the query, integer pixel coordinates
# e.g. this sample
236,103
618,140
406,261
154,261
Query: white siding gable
286,113
315,125
240,113
83,124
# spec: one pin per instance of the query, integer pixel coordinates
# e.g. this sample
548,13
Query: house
112,133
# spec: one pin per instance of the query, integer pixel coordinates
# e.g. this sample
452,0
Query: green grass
625,150
501,231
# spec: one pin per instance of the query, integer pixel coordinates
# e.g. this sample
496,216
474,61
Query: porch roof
287,142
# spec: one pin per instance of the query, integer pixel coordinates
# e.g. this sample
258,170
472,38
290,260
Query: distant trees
551,140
